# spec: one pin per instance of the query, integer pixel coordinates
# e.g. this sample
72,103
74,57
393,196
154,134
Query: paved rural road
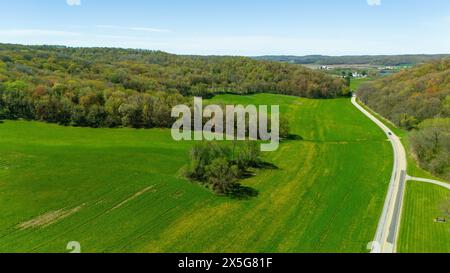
388,226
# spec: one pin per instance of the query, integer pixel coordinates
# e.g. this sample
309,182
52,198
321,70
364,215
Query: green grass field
419,232
356,83
120,190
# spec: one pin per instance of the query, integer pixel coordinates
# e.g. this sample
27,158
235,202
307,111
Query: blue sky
234,27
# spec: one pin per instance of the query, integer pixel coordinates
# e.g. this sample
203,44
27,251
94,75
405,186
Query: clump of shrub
221,166
285,128
222,176
431,146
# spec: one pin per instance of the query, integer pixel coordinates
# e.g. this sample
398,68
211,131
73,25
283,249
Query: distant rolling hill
377,60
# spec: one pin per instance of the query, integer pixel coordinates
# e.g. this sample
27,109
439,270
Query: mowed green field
419,232
120,190
356,83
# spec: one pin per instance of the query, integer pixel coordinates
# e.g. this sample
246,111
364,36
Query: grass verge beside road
420,232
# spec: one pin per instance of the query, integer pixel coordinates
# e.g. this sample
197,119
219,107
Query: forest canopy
431,146
111,87
411,96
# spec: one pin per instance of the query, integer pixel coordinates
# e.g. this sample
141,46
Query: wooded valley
105,87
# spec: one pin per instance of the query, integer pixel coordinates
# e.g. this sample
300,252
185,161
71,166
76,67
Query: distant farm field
120,190
356,83
420,233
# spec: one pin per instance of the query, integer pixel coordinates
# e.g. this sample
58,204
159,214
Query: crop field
356,83
121,190
420,233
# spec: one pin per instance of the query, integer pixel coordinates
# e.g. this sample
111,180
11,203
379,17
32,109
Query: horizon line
226,55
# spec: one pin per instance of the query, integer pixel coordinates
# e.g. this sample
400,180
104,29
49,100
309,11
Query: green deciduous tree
431,145
221,175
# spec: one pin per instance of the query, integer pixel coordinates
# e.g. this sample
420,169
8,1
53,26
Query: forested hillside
411,96
118,87
431,145
418,99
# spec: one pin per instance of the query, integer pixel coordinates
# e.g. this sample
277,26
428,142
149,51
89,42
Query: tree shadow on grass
246,174
260,165
240,192
267,166
293,137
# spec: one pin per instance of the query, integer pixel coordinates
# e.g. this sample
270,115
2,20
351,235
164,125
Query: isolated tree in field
285,127
249,156
202,155
214,165
199,161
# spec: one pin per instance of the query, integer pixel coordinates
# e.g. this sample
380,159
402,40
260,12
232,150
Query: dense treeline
119,87
418,99
381,60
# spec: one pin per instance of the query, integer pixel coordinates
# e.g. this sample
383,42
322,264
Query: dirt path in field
136,195
49,218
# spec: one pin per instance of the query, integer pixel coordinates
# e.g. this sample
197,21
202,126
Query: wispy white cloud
73,2
143,29
373,3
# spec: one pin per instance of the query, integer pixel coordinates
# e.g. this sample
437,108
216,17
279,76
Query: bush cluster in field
220,166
